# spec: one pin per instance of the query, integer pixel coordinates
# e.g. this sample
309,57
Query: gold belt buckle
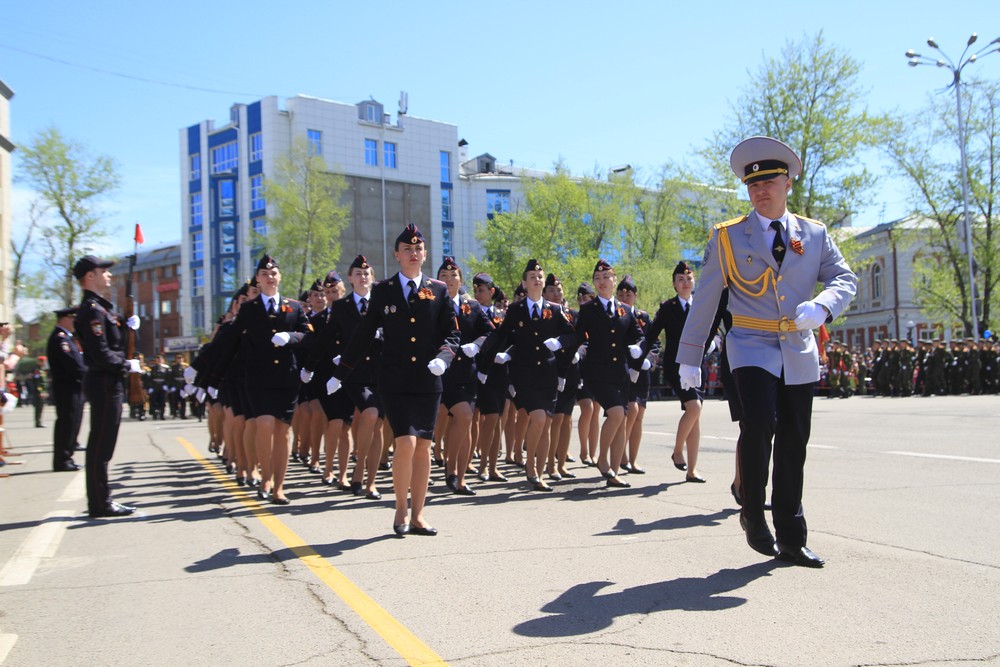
784,324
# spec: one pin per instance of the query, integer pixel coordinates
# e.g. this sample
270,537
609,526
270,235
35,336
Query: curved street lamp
916,59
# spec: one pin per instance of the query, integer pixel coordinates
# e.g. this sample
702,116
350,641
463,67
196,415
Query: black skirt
412,414
277,402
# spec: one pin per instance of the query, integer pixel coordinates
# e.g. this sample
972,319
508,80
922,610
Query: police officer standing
771,261
66,370
101,332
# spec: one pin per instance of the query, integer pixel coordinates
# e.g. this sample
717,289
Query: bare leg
612,441
688,431
635,437
459,441
250,444
279,457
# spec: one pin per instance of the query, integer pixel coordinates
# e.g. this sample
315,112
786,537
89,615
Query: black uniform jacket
66,367
607,338
474,325
413,334
334,328
101,333
531,362
670,318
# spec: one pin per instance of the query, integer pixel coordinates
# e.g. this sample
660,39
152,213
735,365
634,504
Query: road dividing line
404,642
6,644
947,457
75,490
42,542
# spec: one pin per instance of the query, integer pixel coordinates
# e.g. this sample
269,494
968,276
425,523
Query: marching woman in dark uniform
588,424
491,394
66,369
266,331
459,382
638,391
536,329
420,338
101,334
562,418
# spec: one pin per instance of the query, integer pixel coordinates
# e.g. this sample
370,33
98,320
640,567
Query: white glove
481,378
306,376
213,392
190,374
633,375
470,349
200,395
716,344
553,344
150,391
501,358
646,364
561,385
281,338
582,352
511,391
332,385
578,355
132,323
133,366
187,390
10,404
635,351
378,334
690,376
437,366
336,360
809,315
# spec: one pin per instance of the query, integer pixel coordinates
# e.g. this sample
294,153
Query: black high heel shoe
736,494
680,466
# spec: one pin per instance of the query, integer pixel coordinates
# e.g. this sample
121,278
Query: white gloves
199,395
189,375
336,360
481,378
332,385
561,385
582,352
635,351
437,366
378,334
633,375
646,364
809,315
578,355
553,344
511,391
716,344
150,391
213,392
501,358
470,349
132,323
306,376
690,376
281,338
133,366
187,390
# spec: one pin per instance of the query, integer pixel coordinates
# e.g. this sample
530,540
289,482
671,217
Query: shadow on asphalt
582,610
630,527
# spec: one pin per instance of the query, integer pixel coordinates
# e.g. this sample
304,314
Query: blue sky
596,84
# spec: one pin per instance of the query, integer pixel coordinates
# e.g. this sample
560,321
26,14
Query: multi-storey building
156,289
6,148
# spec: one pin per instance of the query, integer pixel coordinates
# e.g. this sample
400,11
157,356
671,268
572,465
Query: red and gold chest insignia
546,313
97,327
466,310
621,312
425,293
796,246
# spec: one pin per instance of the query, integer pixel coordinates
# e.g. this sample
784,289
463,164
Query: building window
445,167
197,281
228,277
260,226
389,155
876,283
195,166
315,138
497,201
225,158
227,237
371,152
165,307
256,147
446,245
197,247
227,199
196,218
372,113
168,272
257,202
446,205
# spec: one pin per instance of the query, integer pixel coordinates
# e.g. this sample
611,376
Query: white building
6,217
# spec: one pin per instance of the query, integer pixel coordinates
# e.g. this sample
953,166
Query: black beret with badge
627,284
266,263
66,312
482,279
360,262
410,235
682,269
763,158
532,265
448,264
603,265
552,281
585,288
332,279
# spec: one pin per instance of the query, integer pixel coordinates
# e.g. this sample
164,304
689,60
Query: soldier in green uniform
159,377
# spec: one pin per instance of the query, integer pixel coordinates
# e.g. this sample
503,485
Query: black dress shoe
680,466
617,483
80,448
736,494
627,467
345,487
568,475
112,510
555,477
426,530
759,537
385,466
636,470
326,482
315,470
280,501
497,478
69,466
694,478
464,491
357,488
295,457
241,481
401,530
373,495
451,481
538,485
263,495
801,556
253,482
570,459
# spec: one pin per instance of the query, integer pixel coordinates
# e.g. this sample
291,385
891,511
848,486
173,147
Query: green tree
71,186
926,154
310,215
810,98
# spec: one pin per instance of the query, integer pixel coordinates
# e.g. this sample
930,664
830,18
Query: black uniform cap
332,278
482,279
627,284
532,265
448,264
603,265
88,263
585,288
410,235
66,312
360,262
682,269
267,263
552,281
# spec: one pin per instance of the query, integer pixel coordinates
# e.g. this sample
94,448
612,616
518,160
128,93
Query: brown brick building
156,286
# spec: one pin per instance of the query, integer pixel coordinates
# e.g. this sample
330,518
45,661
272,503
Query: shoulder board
730,223
60,333
805,219
432,281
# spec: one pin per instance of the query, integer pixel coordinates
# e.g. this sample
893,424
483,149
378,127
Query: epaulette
802,217
432,281
730,223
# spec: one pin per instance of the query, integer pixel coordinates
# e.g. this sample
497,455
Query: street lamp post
916,59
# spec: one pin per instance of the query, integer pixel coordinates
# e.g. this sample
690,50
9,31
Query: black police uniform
608,336
459,381
66,370
101,333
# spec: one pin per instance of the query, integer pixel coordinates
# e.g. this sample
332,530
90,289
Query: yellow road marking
404,642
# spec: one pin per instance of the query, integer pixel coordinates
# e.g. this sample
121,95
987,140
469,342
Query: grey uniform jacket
739,256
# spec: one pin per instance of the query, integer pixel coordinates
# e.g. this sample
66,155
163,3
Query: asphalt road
902,498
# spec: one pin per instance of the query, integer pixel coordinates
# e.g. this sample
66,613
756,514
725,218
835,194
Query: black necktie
778,245
364,306
412,297
610,314
534,311
270,306
686,306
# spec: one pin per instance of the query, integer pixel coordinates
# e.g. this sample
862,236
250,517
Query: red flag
824,336
138,234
